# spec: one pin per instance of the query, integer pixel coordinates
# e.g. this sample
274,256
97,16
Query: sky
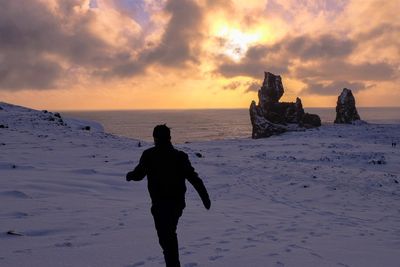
182,54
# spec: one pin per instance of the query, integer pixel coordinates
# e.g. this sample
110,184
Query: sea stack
271,117
346,111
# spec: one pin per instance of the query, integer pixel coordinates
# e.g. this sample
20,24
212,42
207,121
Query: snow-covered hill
324,197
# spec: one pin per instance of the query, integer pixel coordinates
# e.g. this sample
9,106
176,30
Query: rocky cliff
346,111
271,117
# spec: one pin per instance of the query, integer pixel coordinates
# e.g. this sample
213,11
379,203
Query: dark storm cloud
31,37
36,73
382,36
257,59
258,51
34,40
341,70
379,31
22,40
324,46
179,43
30,28
332,88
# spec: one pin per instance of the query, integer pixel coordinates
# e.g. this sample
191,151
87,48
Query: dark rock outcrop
310,120
261,126
346,111
271,117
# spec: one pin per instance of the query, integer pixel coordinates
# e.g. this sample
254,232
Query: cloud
94,37
253,86
257,59
39,43
324,46
249,86
323,59
342,70
249,68
278,57
332,88
178,46
34,73
232,86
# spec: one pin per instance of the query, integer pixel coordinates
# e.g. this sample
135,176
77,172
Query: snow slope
324,197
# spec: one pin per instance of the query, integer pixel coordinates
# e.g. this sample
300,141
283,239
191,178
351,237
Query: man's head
161,134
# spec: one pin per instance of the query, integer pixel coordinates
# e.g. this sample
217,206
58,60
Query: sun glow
234,42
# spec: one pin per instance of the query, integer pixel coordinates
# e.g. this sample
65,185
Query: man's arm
194,179
139,172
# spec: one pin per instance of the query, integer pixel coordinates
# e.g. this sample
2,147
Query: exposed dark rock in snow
310,120
346,111
15,233
271,117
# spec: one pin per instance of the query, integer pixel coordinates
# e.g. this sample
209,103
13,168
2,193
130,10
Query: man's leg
166,220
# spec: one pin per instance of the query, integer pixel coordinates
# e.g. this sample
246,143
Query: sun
234,42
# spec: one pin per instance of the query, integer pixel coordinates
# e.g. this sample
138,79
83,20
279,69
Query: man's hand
207,203
129,176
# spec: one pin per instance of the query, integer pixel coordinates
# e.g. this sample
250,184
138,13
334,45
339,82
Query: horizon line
183,109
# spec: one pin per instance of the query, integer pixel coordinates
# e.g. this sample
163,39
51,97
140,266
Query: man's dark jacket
166,169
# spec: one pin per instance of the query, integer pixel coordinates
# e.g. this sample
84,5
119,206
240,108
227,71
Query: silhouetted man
166,169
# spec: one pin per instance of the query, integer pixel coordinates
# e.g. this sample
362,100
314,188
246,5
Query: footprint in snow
205,238
19,215
84,171
14,194
249,246
222,249
200,245
139,263
23,251
64,245
213,258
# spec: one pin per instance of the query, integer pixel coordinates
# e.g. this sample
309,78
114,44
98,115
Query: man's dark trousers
166,216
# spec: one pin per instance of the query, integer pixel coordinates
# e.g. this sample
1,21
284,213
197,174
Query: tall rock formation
271,117
346,111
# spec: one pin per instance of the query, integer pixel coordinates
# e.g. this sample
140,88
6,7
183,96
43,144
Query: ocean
205,124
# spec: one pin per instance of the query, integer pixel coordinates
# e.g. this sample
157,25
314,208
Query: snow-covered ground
324,197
